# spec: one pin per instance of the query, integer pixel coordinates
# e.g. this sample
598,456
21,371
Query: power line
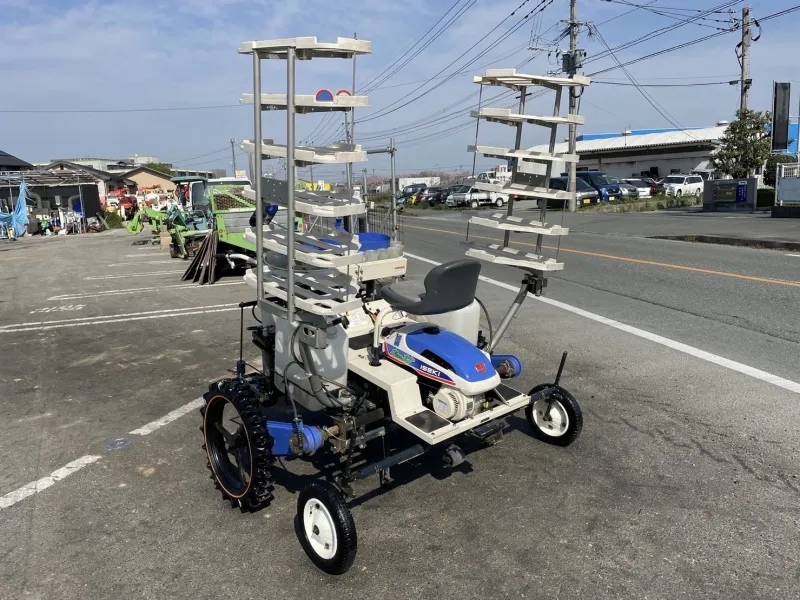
543,4
375,81
466,72
660,52
438,115
117,110
201,155
662,11
779,14
626,2
205,162
666,85
433,38
650,100
372,79
437,118
659,32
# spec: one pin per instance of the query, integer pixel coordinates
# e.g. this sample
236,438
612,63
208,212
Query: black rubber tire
474,204
679,193
347,540
499,202
571,407
257,492
174,252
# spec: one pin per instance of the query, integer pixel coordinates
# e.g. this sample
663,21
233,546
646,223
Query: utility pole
364,188
747,38
477,126
233,155
573,100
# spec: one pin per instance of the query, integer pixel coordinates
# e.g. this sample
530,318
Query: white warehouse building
646,152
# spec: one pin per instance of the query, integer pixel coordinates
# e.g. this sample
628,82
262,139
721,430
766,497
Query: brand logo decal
429,370
401,356
480,368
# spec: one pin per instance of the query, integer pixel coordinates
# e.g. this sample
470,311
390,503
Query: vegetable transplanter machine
358,378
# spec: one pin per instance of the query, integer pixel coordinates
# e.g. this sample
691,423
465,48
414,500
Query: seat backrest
450,287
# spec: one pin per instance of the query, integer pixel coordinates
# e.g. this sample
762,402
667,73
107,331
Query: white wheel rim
319,529
556,423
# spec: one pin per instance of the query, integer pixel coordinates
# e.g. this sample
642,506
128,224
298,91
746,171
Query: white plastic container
330,362
464,322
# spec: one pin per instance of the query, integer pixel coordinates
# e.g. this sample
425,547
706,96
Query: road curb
732,241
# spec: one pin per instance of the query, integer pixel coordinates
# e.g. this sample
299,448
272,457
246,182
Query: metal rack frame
509,78
534,264
291,49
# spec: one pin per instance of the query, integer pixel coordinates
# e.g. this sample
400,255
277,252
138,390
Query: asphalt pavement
684,483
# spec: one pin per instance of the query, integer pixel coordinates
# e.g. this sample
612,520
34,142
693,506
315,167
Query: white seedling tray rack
508,223
331,289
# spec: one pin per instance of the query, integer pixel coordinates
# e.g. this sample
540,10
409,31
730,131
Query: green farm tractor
187,230
216,211
228,212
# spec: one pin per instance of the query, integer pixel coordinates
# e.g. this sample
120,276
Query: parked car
600,181
409,191
584,194
466,195
642,187
428,195
441,196
683,185
628,190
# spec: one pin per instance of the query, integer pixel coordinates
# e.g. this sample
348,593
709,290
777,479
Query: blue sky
121,54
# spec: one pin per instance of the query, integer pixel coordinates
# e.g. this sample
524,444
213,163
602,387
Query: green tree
745,146
166,169
771,170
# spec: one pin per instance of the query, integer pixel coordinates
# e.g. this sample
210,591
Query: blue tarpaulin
18,219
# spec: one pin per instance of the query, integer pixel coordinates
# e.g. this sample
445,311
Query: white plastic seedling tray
518,225
504,255
308,48
309,103
511,79
323,155
506,116
525,155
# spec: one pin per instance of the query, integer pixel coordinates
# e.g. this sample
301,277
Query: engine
451,404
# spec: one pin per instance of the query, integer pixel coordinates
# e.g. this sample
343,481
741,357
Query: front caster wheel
557,419
326,528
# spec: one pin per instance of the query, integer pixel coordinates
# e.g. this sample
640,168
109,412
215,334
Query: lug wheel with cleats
238,446
326,528
557,419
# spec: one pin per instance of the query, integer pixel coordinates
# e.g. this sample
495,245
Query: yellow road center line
637,261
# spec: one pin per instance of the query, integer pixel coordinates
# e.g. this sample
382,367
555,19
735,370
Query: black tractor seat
448,287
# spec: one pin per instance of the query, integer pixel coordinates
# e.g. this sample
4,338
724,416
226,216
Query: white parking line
169,417
145,253
35,487
786,384
795,254
142,262
104,319
100,277
124,292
